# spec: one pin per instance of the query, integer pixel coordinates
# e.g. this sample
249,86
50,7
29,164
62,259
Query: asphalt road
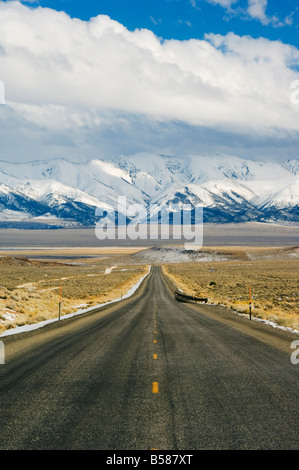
150,373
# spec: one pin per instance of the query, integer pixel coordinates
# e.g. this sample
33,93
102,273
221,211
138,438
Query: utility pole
59,313
249,302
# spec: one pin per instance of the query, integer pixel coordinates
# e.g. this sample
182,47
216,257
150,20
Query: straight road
150,373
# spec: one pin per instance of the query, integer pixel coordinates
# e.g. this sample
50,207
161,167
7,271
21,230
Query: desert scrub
274,286
30,292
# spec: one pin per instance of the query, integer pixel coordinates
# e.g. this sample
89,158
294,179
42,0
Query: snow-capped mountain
231,189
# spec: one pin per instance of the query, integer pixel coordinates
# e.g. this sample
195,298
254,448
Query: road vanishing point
150,372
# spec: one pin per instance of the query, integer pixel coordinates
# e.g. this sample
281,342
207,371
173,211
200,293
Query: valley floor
31,279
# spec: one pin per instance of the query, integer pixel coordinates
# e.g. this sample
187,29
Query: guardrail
181,297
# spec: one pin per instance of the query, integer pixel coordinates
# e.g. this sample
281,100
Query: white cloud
70,77
223,3
257,10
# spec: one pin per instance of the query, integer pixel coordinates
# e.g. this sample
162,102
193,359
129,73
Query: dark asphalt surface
223,382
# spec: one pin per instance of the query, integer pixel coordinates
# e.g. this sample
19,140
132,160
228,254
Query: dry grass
71,251
30,291
274,286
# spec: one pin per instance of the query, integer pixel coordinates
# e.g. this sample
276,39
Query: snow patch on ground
167,254
25,328
9,315
109,270
275,325
268,322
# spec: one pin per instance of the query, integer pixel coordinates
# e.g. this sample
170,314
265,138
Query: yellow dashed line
155,356
155,388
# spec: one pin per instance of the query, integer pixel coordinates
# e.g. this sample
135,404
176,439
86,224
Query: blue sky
187,19
93,78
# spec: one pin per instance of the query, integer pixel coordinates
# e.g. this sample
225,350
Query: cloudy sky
101,78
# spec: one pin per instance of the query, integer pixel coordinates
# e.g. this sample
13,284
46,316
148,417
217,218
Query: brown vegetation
30,290
274,286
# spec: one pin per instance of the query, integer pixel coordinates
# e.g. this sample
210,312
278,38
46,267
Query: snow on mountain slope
52,192
229,187
234,191
284,196
259,178
95,182
13,201
292,166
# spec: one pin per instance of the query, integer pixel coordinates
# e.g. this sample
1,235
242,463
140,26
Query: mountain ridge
230,188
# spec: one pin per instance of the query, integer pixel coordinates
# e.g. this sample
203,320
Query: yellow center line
155,340
155,388
155,356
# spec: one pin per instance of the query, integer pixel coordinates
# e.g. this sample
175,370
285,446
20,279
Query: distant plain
247,234
33,265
